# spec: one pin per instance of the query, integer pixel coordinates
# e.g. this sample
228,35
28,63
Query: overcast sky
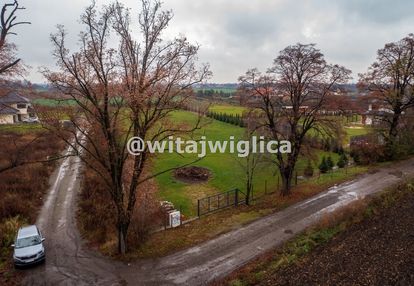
236,35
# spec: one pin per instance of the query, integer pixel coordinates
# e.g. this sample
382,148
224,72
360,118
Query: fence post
181,214
265,187
278,183
218,201
165,220
296,178
236,198
198,208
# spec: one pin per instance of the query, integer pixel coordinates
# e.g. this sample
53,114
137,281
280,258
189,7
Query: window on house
21,105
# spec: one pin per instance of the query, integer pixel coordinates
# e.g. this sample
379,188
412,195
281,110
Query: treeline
227,118
212,93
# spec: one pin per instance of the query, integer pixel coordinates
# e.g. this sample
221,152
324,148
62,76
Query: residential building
15,108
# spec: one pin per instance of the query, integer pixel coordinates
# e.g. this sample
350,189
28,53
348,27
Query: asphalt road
68,262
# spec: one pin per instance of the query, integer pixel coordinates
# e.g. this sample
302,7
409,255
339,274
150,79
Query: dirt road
376,251
69,263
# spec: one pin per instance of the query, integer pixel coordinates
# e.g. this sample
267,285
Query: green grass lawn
227,173
53,102
355,131
21,127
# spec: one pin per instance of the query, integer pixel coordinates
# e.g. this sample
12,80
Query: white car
28,246
31,120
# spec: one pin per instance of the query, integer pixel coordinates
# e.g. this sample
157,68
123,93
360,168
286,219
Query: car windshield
28,241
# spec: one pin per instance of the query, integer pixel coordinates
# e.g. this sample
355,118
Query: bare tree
290,96
249,165
123,91
391,80
9,63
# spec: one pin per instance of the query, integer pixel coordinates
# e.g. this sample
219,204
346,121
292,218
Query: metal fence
220,201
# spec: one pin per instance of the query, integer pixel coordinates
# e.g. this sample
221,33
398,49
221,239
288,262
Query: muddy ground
192,175
377,251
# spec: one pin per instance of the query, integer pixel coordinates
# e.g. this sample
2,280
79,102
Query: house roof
13,97
4,109
378,113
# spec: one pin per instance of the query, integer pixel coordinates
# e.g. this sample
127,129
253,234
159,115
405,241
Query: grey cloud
238,34
381,12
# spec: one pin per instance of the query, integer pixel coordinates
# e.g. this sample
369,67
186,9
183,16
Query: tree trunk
122,225
122,238
286,174
248,191
392,135
393,132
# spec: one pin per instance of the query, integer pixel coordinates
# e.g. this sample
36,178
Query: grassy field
355,131
21,128
227,109
226,168
53,102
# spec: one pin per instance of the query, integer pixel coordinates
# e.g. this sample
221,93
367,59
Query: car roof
27,231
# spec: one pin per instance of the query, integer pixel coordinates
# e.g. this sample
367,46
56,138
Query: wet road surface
68,262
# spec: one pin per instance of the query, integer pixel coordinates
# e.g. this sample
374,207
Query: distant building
15,108
375,117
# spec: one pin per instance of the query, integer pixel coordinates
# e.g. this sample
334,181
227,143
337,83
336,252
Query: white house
15,108
376,116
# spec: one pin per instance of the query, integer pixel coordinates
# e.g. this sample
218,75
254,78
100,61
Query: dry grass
97,215
22,189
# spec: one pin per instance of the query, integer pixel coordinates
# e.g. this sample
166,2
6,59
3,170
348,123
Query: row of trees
212,93
227,118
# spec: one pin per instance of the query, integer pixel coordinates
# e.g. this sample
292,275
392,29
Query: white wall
6,119
23,111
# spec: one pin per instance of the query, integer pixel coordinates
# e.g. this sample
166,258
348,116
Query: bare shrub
97,213
147,215
22,188
96,210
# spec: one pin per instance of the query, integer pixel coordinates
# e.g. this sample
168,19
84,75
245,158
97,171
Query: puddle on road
398,174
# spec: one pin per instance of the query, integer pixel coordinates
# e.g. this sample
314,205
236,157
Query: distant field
355,131
228,109
53,102
21,128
